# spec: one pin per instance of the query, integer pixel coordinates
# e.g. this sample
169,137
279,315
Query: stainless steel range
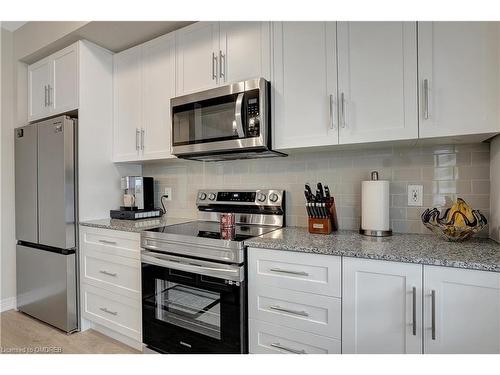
193,274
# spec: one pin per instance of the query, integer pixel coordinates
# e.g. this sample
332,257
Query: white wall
7,253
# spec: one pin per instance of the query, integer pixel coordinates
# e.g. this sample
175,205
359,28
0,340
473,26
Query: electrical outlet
168,192
415,195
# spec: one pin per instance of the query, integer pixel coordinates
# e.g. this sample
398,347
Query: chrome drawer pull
108,311
301,273
294,351
414,311
108,273
433,316
294,312
108,242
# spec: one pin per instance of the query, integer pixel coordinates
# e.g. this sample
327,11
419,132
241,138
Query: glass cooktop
210,229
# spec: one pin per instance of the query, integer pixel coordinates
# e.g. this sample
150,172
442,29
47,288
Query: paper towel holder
375,233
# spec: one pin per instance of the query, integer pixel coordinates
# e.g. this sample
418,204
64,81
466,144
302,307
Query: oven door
185,309
228,118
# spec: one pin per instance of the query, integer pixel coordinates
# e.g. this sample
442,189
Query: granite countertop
133,225
477,253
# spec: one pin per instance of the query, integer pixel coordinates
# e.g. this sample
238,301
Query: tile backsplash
446,172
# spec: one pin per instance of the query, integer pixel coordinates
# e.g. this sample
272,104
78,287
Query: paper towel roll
375,205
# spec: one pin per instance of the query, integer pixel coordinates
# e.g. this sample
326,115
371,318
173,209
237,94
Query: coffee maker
138,199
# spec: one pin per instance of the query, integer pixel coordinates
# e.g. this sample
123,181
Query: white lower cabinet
464,314
382,307
110,275
274,339
294,303
383,302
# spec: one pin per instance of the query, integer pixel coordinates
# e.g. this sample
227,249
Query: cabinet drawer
120,314
273,339
116,274
113,242
307,312
312,273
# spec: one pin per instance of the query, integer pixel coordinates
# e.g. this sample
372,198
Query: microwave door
238,116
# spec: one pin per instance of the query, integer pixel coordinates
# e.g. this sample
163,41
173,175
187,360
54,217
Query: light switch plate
415,195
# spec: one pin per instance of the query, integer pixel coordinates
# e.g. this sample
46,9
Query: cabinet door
381,307
245,51
64,88
458,72
38,85
158,87
197,54
377,73
465,308
127,105
305,84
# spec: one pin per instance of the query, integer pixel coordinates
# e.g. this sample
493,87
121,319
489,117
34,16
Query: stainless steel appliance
229,122
46,211
193,275
138,199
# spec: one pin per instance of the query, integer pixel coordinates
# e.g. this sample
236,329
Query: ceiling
12,25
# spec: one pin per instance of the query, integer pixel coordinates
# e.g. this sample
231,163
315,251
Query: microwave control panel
252,110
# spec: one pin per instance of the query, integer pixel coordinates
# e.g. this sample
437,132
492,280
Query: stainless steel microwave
224,123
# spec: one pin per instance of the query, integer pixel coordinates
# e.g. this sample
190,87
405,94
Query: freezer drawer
46,286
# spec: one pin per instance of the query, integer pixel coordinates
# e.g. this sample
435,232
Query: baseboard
7,304
118,336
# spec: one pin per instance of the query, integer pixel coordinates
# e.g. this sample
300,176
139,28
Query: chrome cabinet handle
433,316
45,98
301,273
222,61
294,312
342,109
108,242
137,142
214,66
332,121
108,311
426,99
414,312
49,101
108,273
294,351
142,139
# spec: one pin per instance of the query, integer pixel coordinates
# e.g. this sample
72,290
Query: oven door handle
231,272
238,115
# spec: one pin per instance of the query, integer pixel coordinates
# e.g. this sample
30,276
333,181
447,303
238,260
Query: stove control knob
273,197
211,196
261,197
202,196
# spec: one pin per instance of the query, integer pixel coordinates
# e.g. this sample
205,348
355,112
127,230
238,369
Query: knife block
325,225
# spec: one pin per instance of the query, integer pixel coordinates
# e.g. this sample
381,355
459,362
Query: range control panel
267,197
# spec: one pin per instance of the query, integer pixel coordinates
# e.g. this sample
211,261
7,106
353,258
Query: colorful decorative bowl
457,223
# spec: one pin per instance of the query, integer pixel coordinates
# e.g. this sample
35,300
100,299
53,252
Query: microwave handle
238,115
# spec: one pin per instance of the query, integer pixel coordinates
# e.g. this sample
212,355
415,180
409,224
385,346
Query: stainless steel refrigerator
46,209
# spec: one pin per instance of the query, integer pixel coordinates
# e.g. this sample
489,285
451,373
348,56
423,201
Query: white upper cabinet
197,54
38,82
144,79
381,307
461,311
377,81
53,84
210,54
458,72
127,105
245,51
305,84
64,93
158,87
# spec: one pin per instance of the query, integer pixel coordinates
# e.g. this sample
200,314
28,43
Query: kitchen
178,192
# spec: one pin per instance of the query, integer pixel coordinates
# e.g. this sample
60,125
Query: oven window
191,308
